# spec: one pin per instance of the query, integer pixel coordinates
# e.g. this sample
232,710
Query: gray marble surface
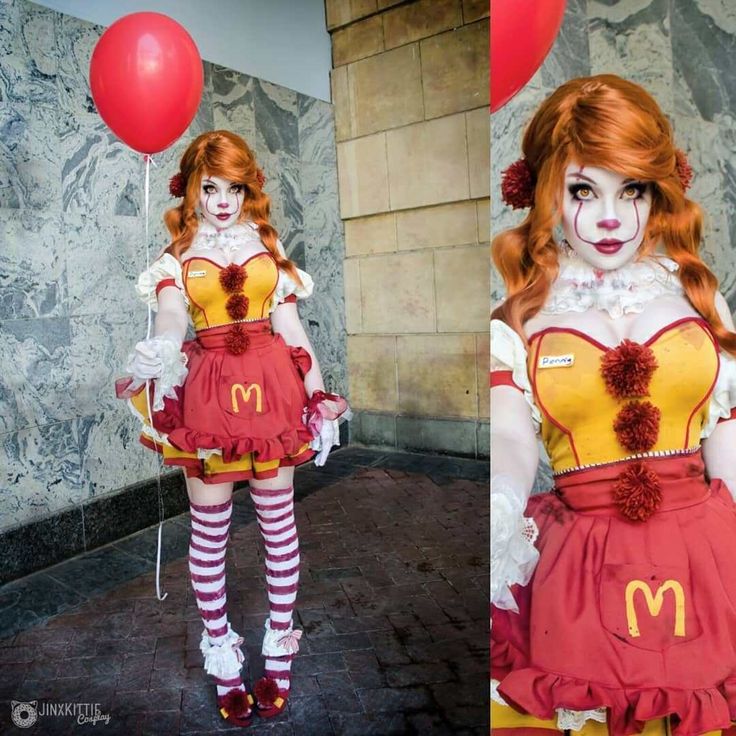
72,235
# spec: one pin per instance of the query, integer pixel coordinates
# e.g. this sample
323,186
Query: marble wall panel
277,130
324,313
632,39
710,149
30,164
110,452
35,372
316,126
28,58
33,274
40,472
703,48
232,105
570,55
100,344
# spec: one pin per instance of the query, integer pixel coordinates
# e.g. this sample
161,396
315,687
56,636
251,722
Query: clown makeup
221,201
604,215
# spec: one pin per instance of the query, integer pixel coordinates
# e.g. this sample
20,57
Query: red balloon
146,79
522,33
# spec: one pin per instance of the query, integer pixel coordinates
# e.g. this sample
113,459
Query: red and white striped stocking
275,511
207,548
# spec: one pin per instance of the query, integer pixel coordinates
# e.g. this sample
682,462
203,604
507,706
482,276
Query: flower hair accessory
261,177
517,185
683,169
178,185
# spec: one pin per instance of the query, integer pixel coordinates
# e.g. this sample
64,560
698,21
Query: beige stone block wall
410,89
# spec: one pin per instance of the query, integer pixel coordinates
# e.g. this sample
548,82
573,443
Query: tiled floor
393,604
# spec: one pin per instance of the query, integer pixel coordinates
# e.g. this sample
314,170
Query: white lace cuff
280,643
508,353
723,398
166,267
174,372
513,554
222,660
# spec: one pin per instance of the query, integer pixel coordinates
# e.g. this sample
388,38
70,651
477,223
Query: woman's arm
514,448
719,449
286,322
172,317
514,459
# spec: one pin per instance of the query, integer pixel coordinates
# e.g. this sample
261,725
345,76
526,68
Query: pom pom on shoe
266,691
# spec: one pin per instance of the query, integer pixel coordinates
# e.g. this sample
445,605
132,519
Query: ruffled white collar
580,287
229,241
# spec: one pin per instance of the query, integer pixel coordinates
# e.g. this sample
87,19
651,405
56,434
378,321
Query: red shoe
236,707
270,701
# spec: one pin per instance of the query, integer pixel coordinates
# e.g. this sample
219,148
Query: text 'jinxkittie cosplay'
245,400
614,594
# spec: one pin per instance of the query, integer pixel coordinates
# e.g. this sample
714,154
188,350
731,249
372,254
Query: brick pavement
393,604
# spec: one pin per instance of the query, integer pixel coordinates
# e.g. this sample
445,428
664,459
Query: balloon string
146,199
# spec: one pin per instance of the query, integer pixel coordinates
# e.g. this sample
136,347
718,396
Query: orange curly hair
614,124
222,153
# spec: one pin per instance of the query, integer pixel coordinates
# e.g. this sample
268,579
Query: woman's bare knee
283,479
208,494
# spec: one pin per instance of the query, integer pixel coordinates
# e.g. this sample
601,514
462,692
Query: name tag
556,361
196,274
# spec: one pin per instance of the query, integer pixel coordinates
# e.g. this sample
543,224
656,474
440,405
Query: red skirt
638,617
250,406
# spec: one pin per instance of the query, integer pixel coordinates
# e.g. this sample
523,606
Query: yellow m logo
238,388
655,603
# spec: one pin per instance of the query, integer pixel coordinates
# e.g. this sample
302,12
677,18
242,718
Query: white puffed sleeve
286,285
723,398
508,353
165,267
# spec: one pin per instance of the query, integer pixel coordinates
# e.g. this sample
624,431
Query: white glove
161,358
513,554
329,437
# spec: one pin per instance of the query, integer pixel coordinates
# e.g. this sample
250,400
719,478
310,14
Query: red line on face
593,242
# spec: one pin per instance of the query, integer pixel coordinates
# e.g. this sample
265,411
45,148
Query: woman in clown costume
245,400
614,595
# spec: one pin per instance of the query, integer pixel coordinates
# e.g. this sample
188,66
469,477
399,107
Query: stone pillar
410,89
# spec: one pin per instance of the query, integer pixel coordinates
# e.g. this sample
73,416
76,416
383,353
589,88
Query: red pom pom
237,306
517,185
178,185
683,168
236,341
637,426
637,493
628,369
232,278
261,177
266,691
235,701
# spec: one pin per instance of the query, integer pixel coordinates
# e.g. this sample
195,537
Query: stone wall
410,89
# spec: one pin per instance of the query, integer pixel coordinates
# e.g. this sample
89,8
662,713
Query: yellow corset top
586,422
211,305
